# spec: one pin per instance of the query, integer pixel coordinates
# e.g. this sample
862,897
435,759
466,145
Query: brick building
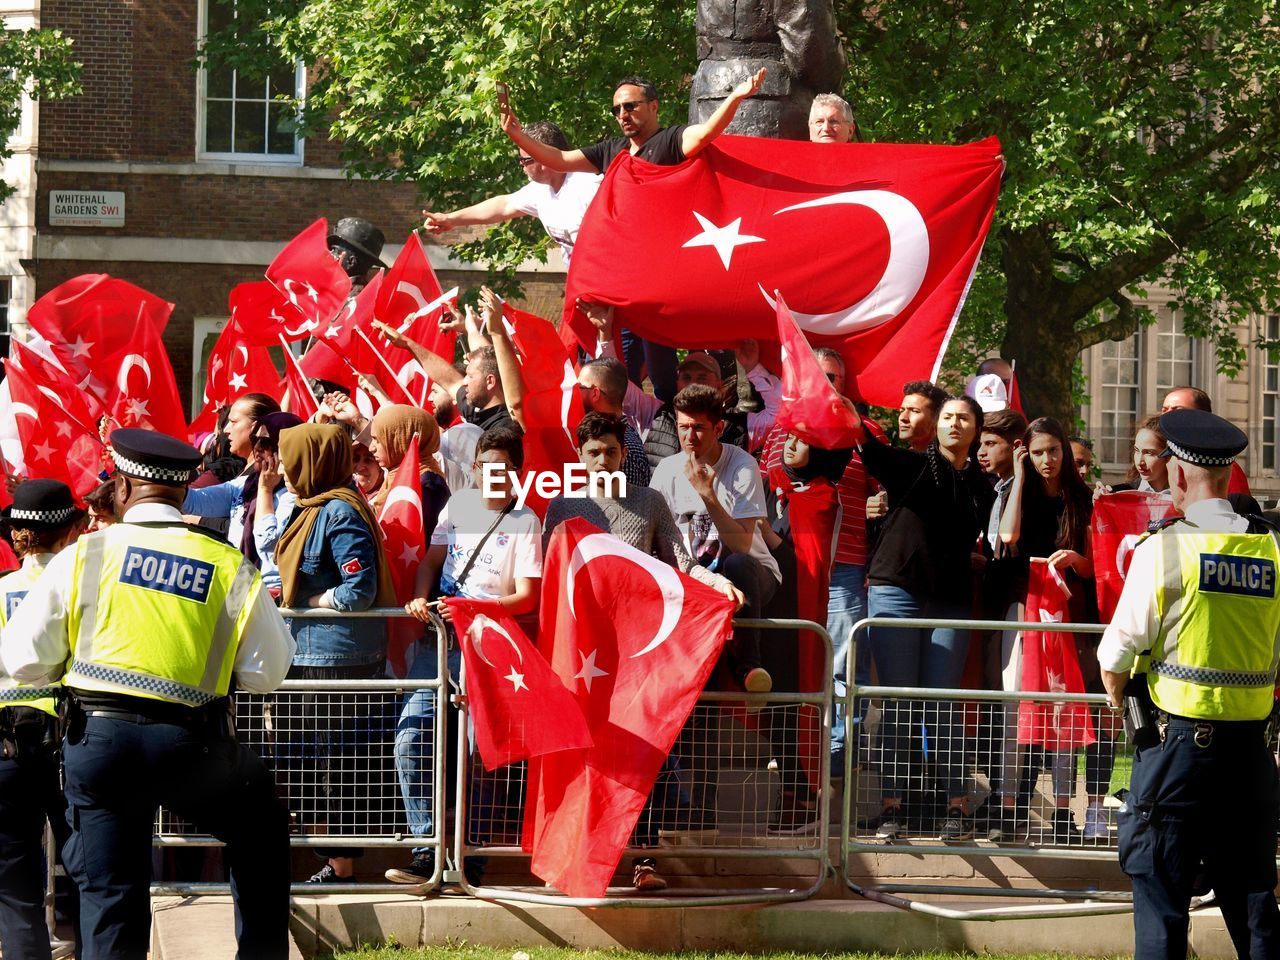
194,179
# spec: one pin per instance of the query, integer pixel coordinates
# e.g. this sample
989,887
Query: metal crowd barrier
338,750
333,748
701,805
1019,752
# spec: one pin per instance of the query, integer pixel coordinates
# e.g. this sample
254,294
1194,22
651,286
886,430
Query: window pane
280,134
218,81
282,82
217,137
251,127
221,15
251,86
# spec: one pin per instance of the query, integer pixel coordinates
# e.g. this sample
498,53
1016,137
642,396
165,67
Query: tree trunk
1038,337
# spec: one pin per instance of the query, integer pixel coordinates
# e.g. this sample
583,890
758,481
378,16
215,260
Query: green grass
464,952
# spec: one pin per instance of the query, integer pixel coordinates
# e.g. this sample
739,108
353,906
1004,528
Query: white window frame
1268,426
1099,441
201,329
295,159
1165,315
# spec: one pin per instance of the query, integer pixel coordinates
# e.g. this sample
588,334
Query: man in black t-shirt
635,105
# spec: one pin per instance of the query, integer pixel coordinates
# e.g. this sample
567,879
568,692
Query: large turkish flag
873,245
1118,523
635,640
520,708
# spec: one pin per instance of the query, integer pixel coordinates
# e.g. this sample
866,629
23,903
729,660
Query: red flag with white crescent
237,365
143,391
635,640
519,707
264,314
552,401
1050,664
1119,520
874,246
301,400
811,409
405,541
310,279
91,322
54,446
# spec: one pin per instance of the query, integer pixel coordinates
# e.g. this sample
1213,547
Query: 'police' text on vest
167,573
1245,576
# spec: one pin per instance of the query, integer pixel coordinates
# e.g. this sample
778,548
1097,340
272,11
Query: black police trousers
117,772
1206,795
30,794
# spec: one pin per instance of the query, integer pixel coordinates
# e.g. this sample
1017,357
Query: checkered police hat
154,457
1202,438
41,505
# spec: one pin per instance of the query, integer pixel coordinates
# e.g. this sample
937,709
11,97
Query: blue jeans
638,353
919,657
415,740
846,606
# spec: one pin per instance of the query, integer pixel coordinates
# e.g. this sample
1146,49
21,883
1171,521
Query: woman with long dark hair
236,499
939,501
1047,518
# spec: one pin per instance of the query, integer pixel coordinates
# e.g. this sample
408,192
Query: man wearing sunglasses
635,106
558,199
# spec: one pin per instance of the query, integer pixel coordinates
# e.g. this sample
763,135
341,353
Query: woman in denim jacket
330,556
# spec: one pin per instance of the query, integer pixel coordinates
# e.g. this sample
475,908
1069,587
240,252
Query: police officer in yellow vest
1199,619
148,623
42,519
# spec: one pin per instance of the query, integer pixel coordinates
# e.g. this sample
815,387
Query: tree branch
1230,176
1118,327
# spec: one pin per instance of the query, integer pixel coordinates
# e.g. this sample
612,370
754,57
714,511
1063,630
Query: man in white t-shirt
717,498
484,548
559,200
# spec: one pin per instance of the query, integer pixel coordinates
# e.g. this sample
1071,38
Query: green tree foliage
408,88
1142,139
1143,146
34,62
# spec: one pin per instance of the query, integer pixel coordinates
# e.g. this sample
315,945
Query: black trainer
957,825
892,824
420,871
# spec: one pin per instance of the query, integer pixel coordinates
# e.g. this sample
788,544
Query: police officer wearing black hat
42,519
148,623
357,246
1198,626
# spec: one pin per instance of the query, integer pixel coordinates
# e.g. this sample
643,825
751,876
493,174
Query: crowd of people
943,522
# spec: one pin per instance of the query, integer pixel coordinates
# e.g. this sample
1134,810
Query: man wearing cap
357,246
1199,622
42,519
147,624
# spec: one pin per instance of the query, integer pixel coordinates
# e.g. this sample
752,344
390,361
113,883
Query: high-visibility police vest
13,587
1218,607
157,612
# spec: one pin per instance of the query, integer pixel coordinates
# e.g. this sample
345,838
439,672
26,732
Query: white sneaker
1096,826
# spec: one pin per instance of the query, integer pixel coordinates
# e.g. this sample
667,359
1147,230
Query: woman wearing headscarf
394,426
330,556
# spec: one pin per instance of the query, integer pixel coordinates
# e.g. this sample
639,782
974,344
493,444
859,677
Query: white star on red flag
589,669
517,681
724,239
